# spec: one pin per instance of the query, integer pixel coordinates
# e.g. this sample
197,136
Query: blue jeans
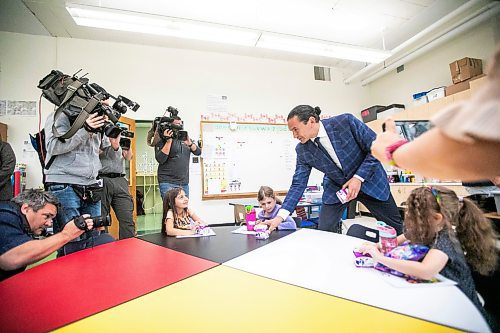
71,207
164,187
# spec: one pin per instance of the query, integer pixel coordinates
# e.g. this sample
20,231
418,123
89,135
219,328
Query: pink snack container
388,237
250,220
250,225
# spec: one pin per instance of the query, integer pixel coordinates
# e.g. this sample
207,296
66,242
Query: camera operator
115,185
72,175
21,220
7,166
173,156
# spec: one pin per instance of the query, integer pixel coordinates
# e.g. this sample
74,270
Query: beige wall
432,69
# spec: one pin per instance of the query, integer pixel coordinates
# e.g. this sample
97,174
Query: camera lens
111,130
100,221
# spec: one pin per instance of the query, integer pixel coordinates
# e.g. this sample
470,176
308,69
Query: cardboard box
456,88
465,69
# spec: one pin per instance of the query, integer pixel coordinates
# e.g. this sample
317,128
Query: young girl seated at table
456,232
270,206
178,219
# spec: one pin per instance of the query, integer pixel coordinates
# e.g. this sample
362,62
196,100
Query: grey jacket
77,158
111,160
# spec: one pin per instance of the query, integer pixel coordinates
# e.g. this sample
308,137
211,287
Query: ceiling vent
322,73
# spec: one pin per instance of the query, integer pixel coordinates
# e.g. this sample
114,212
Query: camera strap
80,120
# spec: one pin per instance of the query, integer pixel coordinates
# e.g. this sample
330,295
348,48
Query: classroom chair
239,214
360,231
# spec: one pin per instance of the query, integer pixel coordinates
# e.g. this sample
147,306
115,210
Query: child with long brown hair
456,232
178,219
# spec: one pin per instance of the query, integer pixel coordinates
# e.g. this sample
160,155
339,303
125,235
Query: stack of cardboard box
462,72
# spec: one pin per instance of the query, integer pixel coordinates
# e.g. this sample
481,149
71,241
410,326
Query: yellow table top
225,299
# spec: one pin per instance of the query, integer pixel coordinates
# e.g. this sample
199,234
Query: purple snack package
363,262
262,235
342,195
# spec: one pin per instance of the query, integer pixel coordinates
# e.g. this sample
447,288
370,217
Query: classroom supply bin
370,113
420,98
389,110
435,93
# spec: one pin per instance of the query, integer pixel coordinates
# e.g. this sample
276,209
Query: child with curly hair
457,234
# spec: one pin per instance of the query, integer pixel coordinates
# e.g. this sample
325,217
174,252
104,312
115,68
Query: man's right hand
95,121
168,133
72,231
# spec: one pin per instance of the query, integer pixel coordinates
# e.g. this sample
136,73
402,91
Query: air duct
401,56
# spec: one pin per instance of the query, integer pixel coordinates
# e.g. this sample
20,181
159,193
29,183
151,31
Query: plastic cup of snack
388,237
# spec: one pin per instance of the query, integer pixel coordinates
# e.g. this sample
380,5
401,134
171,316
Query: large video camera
167,123
99,221
73,95
125,139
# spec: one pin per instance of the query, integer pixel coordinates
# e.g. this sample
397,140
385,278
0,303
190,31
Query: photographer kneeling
173,152
21,220
72,175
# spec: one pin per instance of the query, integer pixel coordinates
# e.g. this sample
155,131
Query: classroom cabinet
401,191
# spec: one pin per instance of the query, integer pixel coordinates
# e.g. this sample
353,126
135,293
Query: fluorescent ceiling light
321,48
105,18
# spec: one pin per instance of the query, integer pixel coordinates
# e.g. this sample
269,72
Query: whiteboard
238,158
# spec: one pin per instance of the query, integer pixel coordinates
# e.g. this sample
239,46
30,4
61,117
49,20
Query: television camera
73,95
167,123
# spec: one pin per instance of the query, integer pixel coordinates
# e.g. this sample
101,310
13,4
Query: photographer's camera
99,221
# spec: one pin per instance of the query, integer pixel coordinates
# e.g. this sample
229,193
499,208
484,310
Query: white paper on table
210,232
401,282
243,230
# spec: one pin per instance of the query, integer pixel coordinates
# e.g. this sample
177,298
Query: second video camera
125,139
167,123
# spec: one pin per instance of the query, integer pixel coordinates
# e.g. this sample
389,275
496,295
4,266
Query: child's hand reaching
372,249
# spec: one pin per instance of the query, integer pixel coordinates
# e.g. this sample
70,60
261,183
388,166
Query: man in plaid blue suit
343,155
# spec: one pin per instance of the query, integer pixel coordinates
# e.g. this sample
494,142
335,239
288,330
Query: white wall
432,69
158,77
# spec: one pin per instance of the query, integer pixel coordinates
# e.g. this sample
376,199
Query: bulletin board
238,158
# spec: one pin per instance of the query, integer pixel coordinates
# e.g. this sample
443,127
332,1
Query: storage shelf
148,184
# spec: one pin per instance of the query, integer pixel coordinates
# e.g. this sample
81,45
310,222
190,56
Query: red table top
84,283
